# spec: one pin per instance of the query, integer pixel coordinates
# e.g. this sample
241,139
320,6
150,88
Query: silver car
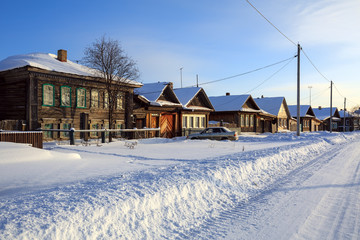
215,133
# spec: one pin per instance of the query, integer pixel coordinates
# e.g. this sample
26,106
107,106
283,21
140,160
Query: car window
217,130
207,131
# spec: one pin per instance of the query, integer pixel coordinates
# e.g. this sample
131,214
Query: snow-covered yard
172,188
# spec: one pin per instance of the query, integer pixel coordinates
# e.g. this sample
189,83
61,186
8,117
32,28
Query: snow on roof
323,113
229,103
185,95
151,91
48,61
270,104
303,110
348,114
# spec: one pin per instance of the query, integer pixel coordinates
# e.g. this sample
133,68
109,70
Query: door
167,126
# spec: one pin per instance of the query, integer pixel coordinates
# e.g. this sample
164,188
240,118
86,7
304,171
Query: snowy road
320,200
280,187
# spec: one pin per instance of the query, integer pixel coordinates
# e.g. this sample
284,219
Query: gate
167,126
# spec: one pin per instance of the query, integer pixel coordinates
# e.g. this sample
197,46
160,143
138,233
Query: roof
270,104
348,114
324,113
304,110
185,95
48,61
231,103
151,92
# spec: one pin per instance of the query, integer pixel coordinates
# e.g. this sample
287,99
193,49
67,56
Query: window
191,122
247,120
65,126
197,122
185,125
48,134
94,98
120,101
48,95
203,123
81,98
242,121
251,120
106,100
65,96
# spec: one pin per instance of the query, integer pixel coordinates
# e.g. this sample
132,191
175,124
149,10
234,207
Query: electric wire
311,62
271,76
271,23
248,72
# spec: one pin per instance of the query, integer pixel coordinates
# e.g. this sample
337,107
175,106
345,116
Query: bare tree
113,67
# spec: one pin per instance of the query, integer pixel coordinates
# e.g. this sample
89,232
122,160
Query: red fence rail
34,138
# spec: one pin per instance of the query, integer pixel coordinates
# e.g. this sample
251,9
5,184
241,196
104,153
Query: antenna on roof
181,76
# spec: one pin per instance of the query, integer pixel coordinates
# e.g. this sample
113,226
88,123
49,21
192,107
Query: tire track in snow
247,211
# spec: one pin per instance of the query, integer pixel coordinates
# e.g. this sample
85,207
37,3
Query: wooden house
308,120
196,108
241,113
277,106
323,114
350,119
50,92
156,106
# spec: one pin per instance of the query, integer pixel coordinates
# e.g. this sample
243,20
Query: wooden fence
35,138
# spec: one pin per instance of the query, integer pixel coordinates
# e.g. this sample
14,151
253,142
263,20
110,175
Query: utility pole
310,93
331,83
181,76
298,91
344,115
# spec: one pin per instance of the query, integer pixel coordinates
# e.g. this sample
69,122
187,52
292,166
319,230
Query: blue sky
211,39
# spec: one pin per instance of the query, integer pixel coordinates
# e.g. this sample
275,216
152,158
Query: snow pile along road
173,201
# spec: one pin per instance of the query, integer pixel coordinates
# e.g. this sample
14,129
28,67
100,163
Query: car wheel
194,138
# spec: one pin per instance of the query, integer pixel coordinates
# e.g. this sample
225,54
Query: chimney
62,55
262,96
227,94
319,107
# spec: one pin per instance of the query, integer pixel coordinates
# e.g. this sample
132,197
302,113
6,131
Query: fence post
103,136
72,136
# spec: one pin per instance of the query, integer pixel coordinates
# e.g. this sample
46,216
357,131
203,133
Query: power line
271,23
271,75
314,65
234,99
248,72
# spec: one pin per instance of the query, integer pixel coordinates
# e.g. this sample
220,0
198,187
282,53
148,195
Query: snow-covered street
275,186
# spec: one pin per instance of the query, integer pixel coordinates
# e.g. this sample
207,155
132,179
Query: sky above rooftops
214,40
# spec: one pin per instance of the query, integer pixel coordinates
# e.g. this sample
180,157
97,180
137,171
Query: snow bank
157,203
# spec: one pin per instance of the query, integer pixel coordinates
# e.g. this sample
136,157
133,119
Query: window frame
120,101
61,94
77,97
53,95
92,100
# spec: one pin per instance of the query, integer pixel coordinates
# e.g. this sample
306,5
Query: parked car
215,133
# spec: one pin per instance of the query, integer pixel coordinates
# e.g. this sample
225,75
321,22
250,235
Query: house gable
200,100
